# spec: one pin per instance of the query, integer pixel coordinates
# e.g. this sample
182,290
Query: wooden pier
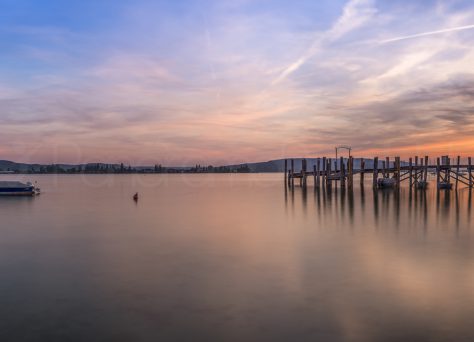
385,173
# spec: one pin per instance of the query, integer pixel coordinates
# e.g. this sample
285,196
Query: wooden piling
320,167
286,167
292,172
318,171
471,184
410,170
416,173
362,169
457,171
328,172
350,173
448,172
324,166
397,168
438,172
420,173
314,175
375,172
387,167
341,170
303,172
425,177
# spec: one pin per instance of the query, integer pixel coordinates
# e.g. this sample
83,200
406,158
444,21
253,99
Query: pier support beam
303,173
469,167
318,171
448,172
328,172
375,172
350,173
425,177
397,170
342,176
416,173
314,175
420,174
362,168
457,171
292,172
324,166
410,170
438,171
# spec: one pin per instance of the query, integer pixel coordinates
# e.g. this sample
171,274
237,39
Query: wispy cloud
355,13
164,91
429,33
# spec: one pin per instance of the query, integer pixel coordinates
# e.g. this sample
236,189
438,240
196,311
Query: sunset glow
222,82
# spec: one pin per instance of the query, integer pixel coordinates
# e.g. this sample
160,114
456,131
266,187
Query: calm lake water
233,257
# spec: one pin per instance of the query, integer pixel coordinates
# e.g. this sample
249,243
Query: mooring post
384,173
318,169
286,167
438,170
341,170
425,178
314,175
328,172
397,167
416,172
375,172
362,168
469,166
324,166
303,172
448,172
410,170
457,170
387,167
420,175
292,172
350,172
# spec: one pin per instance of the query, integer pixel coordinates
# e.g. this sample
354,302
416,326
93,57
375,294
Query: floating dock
385,173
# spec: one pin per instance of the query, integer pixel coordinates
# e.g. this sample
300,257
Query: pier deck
327,171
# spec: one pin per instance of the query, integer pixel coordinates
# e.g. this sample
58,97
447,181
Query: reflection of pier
404,209
385,173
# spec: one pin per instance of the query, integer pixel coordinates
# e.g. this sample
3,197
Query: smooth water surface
233,257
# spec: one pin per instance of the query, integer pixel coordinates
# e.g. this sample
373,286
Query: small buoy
135,197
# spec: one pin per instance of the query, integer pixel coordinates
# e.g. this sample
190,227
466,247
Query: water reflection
232,258
400,209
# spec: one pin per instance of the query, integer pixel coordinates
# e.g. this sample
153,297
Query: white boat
14,188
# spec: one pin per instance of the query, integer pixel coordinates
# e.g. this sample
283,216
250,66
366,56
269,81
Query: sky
220,82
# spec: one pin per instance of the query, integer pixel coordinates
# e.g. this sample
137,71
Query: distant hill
7,165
